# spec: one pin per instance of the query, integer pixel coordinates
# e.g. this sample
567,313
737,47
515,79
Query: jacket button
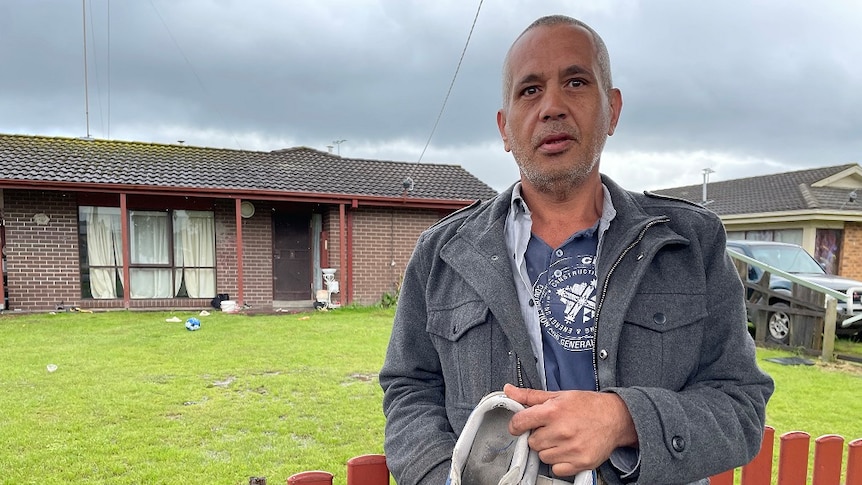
659,318
603,354
678,443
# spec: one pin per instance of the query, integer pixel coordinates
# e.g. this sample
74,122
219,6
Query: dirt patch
843,366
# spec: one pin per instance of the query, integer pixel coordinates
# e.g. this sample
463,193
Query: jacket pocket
661,339
453,323
462,335
665,312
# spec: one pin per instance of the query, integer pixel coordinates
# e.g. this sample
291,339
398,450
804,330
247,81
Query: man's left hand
572,431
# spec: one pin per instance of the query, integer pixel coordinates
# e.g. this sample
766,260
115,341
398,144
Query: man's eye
530,91
576,83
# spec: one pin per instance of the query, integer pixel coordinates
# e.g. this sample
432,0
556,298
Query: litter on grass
173,320
51,367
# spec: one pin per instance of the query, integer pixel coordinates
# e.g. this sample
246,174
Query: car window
787,258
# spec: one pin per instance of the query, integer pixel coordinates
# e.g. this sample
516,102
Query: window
792,236
827,249
172,253
101,252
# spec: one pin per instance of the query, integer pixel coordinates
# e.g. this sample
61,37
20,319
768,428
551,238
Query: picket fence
793,451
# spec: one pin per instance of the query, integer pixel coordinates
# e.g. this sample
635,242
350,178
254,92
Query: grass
135,399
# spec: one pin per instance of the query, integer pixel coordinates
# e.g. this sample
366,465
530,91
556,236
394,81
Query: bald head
602,57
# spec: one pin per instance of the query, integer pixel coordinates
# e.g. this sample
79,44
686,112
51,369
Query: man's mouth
556,143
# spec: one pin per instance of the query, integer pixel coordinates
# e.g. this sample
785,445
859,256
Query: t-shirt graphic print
565,295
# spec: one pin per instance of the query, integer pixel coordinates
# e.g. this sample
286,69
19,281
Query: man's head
559,105
602,55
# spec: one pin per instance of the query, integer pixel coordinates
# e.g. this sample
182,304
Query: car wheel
779,325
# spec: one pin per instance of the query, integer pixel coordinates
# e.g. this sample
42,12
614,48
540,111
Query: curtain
149,245
104,248
194,253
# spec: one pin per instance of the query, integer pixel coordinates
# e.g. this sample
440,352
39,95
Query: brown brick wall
384,240
851,251
257,254
41,260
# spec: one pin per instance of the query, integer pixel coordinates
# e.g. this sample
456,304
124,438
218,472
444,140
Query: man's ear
501,125
615,102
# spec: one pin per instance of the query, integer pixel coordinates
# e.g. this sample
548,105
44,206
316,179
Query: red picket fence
792,464
361,470
793,461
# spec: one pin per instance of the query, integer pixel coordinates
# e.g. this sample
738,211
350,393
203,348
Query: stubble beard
559,182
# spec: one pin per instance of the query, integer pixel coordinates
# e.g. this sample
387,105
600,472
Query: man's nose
552,106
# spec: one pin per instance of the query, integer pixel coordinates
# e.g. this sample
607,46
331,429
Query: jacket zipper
605,291
518,371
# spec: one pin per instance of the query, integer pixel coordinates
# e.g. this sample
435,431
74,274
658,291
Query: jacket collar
479,254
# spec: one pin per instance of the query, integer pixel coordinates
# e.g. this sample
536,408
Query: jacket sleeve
715,421
418,437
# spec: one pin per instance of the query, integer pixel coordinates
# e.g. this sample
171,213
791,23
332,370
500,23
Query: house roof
107,165
826,188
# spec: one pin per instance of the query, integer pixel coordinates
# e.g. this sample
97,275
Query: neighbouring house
127,225
817,209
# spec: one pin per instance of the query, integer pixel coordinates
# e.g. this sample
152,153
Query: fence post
793,458
759,470
828,352
310,478
854,462
827,459
367,470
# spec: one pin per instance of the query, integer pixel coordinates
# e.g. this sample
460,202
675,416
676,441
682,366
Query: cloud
740,87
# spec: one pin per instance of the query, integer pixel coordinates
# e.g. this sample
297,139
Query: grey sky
742,87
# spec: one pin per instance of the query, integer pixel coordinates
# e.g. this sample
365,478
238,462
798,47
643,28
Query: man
617,318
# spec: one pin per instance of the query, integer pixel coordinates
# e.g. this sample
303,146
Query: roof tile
298,169
779,192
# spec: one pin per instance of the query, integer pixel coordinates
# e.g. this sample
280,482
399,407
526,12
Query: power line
191,67
451,84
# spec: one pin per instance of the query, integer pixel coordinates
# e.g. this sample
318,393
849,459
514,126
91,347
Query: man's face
558,113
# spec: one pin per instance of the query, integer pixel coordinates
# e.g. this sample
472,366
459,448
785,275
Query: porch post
342,252
127,251
239,251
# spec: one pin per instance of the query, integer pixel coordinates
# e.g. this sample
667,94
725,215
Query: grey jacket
671,340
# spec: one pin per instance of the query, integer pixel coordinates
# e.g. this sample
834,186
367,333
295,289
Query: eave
794,216
354,200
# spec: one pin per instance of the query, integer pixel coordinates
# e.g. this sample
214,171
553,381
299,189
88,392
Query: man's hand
572,430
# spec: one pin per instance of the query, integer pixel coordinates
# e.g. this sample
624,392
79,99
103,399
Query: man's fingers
530,418
527,397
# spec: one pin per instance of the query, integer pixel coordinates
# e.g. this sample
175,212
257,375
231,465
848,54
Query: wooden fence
793,450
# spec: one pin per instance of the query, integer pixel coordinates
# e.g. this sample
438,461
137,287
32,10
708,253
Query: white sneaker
486,454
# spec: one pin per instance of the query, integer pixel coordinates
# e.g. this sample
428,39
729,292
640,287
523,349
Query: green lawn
135,399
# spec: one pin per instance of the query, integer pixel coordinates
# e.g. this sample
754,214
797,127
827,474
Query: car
793,259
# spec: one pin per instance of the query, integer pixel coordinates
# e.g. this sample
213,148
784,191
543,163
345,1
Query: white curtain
104,248
149,245
194,253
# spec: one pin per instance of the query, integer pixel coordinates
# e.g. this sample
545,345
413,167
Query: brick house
113,224
816,208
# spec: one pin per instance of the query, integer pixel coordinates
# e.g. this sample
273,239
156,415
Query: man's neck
556,215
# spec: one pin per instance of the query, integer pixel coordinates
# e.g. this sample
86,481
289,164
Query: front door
291,256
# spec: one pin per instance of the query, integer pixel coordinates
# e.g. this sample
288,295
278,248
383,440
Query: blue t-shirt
564,290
